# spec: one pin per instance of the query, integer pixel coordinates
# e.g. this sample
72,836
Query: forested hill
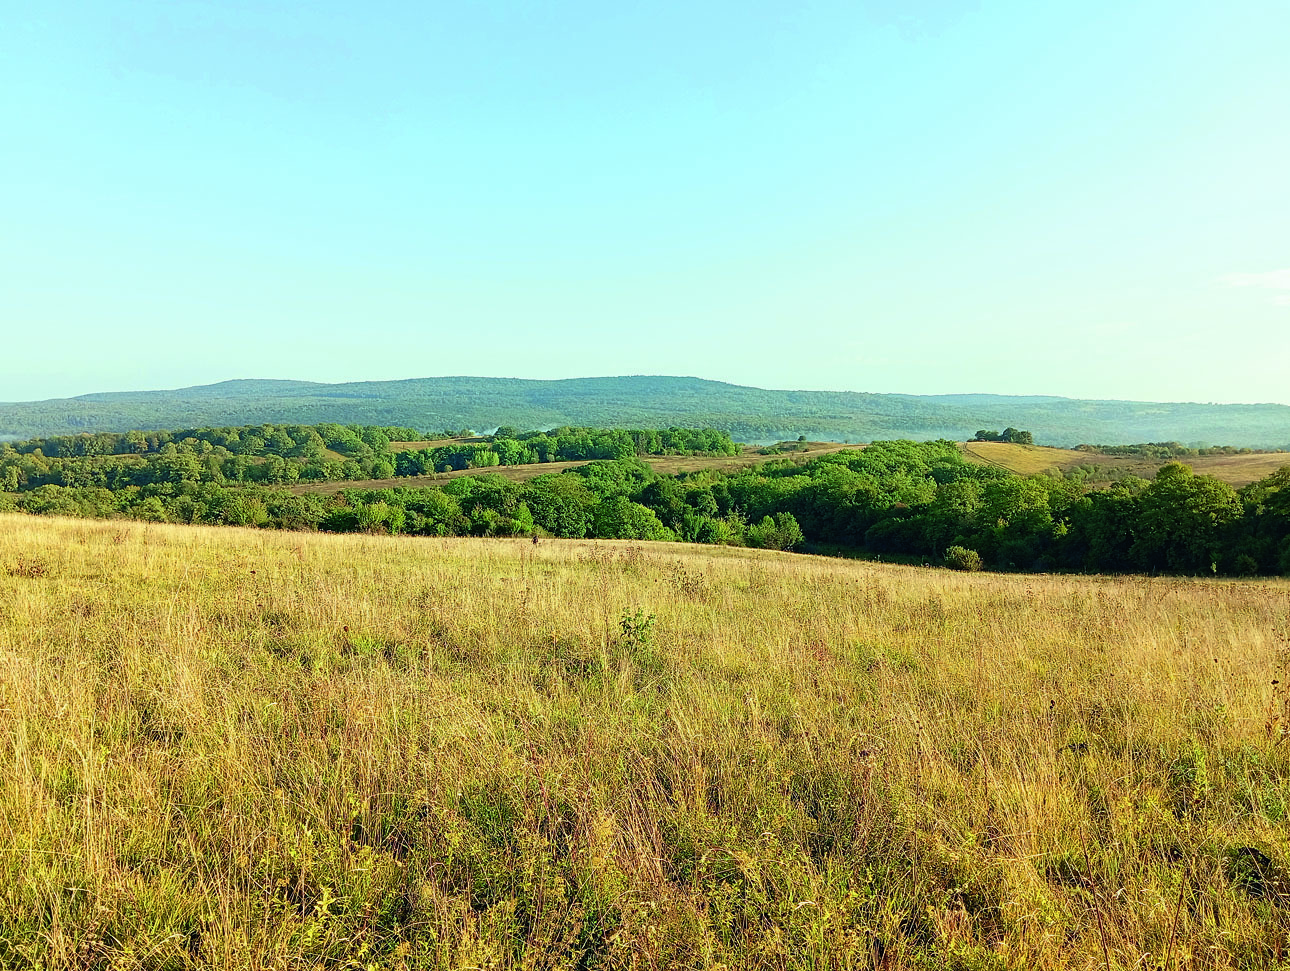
748,414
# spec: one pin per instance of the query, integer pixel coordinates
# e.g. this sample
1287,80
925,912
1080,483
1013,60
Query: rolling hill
237,748
749,414
1235,470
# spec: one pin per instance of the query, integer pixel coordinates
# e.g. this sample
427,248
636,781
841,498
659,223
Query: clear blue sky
1080,198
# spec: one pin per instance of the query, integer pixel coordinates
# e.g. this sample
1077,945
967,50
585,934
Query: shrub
962,558
719,532
779,533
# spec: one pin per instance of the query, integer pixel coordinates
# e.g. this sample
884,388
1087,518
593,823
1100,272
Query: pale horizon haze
1080,199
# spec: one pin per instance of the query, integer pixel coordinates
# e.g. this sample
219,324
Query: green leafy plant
962,558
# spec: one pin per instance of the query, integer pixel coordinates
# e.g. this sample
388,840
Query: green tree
1265,532
617,517
1182,522
1015,522
561,504
952,515
778,532
178,464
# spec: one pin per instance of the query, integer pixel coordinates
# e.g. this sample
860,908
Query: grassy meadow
1235,470
245,749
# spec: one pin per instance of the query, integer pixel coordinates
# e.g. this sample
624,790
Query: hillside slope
749,414
1236,470
234,748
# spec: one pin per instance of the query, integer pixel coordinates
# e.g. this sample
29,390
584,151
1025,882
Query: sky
1089,199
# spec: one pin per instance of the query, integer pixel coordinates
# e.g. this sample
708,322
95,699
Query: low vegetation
238,749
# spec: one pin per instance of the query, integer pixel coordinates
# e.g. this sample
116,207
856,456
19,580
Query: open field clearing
1236,470
246,749
1239,469
1031,459
667,464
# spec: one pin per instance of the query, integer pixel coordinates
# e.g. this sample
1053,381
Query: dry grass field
667,464
1240,469
242,749
1236,470
1032,459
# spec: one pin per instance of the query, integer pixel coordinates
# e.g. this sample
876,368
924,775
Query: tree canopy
915,500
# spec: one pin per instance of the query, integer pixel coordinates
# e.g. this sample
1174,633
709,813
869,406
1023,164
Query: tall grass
265,750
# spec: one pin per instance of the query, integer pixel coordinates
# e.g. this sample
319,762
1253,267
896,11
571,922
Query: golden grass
1025,459
1239,469
1236,470
240,749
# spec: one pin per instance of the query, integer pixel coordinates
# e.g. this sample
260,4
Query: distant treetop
1012,435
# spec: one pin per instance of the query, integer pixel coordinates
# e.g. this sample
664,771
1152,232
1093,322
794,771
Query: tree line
287,441
917,501
1014,436
509,446
285,454
1169,450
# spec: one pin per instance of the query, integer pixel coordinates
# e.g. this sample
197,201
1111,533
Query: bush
779,533
962,558
1245,565
718,532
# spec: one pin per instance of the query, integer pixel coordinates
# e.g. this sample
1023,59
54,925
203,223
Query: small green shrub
635,643
962,558
780,532
636,629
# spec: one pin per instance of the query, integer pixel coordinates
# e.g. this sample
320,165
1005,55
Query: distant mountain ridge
749,414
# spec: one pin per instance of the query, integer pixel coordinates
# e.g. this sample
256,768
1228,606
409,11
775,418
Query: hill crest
748,413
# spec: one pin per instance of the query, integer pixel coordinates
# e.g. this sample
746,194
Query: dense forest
284,454
747,414
910,500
